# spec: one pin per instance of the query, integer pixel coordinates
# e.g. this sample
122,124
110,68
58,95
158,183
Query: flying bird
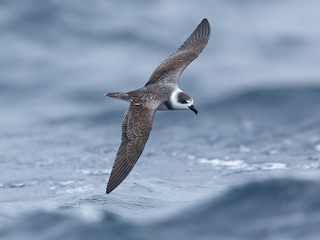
160,93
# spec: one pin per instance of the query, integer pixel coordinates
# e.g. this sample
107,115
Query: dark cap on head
182,97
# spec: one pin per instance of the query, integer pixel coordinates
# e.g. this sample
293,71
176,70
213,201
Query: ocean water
246,167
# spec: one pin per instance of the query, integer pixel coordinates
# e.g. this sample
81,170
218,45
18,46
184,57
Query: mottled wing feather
136,127
171,68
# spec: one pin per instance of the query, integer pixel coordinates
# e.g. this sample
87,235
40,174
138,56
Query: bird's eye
184,101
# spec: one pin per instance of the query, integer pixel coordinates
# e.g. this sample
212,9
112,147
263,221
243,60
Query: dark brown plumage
136,127
174,65
162,85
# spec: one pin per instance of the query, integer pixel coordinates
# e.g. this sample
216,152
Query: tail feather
118,95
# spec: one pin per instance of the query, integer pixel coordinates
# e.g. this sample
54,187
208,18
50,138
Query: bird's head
182,101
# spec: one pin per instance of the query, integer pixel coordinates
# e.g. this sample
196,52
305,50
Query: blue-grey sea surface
246,167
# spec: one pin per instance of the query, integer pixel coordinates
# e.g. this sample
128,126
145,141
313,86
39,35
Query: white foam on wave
230,164
241,165
309,166
273,166
79,189
95,172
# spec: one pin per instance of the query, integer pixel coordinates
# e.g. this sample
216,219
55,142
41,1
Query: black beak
193,109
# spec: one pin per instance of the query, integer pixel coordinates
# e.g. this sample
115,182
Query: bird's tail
118,95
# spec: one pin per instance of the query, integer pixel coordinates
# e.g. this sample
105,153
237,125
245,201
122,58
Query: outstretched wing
136,127
170,69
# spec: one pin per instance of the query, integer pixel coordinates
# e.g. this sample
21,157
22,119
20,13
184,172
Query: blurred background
59,57
256,86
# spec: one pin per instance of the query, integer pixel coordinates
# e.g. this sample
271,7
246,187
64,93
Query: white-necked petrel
160,93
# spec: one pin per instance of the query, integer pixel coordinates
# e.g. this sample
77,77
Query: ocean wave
271,209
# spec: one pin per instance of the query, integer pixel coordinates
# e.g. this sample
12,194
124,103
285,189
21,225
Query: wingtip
109,188
207,28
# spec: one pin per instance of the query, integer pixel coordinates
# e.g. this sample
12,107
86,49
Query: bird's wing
170,69
136,127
